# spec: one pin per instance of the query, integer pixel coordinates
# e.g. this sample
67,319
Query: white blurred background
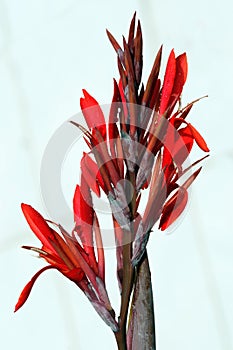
49,51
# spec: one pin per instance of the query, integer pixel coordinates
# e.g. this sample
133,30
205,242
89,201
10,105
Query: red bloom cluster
144,144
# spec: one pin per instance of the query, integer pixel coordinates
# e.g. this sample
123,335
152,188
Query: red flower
148,140
144,144
75,261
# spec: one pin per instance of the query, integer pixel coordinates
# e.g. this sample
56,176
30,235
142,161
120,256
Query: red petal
86,203
90,173
93,113
177,146
186,136
199,139
91,165
77,204
75,275
27,289
168,164
169,144
83,216
173,208
179,81
168,82
39,226
82,203
48,237
181,74
183,145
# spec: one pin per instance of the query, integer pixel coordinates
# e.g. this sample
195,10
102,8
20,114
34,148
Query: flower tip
82,99
22,299
86,94
162,228
17,307
25,207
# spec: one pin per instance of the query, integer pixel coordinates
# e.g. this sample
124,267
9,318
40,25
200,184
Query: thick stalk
121,339
141,330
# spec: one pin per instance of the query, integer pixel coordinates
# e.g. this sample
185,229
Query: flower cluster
144,145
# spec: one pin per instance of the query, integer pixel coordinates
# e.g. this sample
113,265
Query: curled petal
183,145
177,149
199,139
27,289
191,131
173,208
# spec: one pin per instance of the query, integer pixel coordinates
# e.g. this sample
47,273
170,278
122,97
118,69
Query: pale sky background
49,51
